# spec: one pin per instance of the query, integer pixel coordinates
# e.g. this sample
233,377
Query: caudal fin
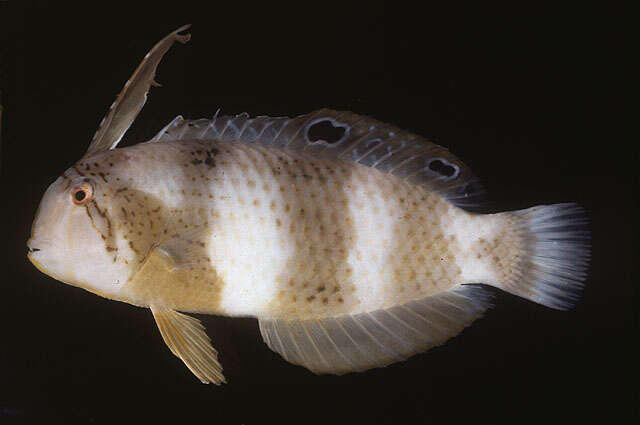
555,257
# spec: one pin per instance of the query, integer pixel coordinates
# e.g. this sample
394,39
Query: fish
354,243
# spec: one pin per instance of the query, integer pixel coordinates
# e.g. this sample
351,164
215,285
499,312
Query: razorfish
354,243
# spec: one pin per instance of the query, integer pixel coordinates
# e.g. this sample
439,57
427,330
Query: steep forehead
93,165
99,166
122,165
108,168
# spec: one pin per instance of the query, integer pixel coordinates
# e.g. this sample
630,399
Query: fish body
353,250
264,232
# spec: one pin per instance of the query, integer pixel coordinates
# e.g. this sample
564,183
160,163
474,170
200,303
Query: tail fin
556,255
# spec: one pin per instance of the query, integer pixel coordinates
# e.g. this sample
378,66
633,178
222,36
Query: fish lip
77,284
37,265
47,272
29,248
30,255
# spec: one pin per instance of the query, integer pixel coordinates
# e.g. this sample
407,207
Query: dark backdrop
529,98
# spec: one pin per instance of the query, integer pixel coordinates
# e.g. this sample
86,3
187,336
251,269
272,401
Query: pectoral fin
187,339
175,254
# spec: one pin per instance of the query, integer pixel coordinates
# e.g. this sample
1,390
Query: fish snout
35,255
36,247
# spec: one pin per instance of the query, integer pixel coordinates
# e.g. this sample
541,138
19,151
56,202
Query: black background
529,98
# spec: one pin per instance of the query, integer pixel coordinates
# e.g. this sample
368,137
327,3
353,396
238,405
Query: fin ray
186,338
350,343
192,350
358,351
555,255
131,99
333,343
365,141
313,343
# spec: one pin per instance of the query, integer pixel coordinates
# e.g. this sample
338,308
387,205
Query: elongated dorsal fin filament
133,96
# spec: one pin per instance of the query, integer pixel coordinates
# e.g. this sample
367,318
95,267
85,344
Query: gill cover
133,96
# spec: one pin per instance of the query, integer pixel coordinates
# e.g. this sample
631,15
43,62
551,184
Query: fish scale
354,249
319,220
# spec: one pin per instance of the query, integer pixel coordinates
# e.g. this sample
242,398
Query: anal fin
187,339
354,343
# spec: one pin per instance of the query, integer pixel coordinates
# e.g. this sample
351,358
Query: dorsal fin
346,136
133,96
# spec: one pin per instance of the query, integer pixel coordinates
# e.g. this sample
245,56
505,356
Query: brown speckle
133,247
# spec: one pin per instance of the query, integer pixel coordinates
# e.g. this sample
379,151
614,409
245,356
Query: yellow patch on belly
195,287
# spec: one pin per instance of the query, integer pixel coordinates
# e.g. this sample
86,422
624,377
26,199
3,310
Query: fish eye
81,193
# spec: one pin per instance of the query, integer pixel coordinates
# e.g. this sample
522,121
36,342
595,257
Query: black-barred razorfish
354,250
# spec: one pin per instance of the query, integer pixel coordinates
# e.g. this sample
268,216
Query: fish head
73,237
85,232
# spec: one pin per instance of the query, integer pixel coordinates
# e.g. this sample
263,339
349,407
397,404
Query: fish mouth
42,269
30,248
32,253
